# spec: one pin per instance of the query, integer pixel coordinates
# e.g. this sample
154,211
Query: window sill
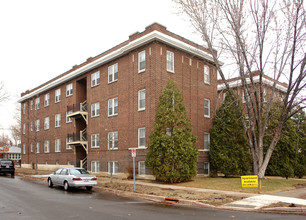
68,95
170,71
95,116
112,115
206,116
113,81
203,150
142,109
141,71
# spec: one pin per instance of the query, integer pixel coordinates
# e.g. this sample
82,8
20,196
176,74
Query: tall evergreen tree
288,158
172,150
229,152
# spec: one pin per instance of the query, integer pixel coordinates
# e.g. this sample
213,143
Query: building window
58,120
112,167
37,148
141,100
206,141
68,119
170,61
31,147
24,149
95,109
31,126
95,79
68,140
141,61
113,140
95,166
57,95
31,104
37,124
46,147
58,145
95,141
113,107
37,101
206,74
141,137
141,168
47,100
206,108
206,168
113,73
46,123
69,88
24,128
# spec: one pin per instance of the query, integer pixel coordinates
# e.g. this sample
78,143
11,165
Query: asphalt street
24,199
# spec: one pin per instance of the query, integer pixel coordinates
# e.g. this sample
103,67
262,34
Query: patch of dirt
207,198
283,204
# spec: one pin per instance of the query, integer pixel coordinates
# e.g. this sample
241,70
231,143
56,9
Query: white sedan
72,177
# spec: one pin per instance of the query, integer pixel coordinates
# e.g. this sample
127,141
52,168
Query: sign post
133,151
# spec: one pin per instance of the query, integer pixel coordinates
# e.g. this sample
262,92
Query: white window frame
206,142
208,168
31,147
170,61
95,109
141,60
113,107
24,149
69,89
24,128
113,73
68,119
141,168
31,105
57,145
95,166
37,102
95,140
37,125
141,100
112,167
47,100
47,123
206,74
57,95
57,120
37,148
31,125
207,106
112,139
68,139
46,146
95,79
140,136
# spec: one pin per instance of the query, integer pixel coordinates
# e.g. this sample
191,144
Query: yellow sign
249,181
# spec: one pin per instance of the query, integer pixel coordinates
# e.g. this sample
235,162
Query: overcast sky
41,39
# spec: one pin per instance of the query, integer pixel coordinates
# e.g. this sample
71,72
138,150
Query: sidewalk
251,202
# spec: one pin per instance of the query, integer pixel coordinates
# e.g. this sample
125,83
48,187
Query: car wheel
50,184
12,174
88,188
66,186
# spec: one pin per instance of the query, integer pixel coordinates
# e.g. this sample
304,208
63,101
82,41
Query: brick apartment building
95,113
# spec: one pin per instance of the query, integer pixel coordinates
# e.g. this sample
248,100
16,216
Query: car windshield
6,162
78,171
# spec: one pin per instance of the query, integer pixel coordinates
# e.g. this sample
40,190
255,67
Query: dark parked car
7,166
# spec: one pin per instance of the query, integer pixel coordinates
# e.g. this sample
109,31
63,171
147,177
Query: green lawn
269,185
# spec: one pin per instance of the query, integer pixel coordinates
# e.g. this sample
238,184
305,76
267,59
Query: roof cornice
238,83
152,36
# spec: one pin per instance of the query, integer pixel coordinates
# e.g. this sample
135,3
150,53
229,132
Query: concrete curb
193,203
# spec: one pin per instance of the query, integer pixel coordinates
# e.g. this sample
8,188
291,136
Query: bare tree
267,36
16,127
3,93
